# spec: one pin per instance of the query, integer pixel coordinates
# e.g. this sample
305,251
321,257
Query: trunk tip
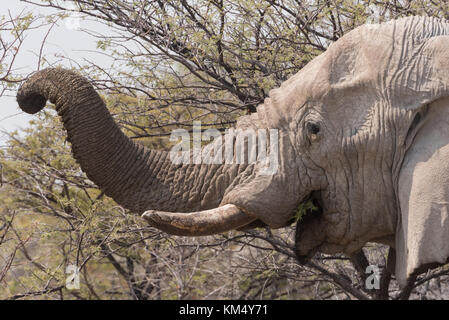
33,94
31,103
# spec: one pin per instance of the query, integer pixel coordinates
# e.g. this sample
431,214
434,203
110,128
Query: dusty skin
363,130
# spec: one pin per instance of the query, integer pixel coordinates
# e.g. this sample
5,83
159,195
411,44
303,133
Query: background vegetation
174,62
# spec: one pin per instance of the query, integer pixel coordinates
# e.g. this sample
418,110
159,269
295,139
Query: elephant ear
422,235
416,83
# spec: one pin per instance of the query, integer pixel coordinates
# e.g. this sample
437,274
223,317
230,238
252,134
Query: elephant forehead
377,60
391,60
308,84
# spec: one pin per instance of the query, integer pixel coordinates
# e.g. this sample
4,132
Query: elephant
363,132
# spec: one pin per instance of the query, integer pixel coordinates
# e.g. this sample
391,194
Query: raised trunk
134,176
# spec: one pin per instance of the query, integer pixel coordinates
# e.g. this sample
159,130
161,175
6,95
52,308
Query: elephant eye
313,128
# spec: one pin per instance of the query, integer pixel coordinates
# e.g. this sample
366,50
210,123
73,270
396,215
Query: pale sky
64,39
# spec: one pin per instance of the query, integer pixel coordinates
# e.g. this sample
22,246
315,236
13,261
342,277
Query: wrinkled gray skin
363,130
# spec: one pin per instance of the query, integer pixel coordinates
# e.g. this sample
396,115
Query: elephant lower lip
304,259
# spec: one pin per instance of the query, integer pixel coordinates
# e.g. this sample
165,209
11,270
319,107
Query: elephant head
362,130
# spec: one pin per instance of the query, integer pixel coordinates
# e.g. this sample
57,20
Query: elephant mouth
309,220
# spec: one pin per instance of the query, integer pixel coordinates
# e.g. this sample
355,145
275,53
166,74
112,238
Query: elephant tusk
201,223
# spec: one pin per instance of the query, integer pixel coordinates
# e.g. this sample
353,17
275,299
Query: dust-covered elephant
363,130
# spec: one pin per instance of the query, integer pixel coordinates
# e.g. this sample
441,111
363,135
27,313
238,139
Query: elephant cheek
269,199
